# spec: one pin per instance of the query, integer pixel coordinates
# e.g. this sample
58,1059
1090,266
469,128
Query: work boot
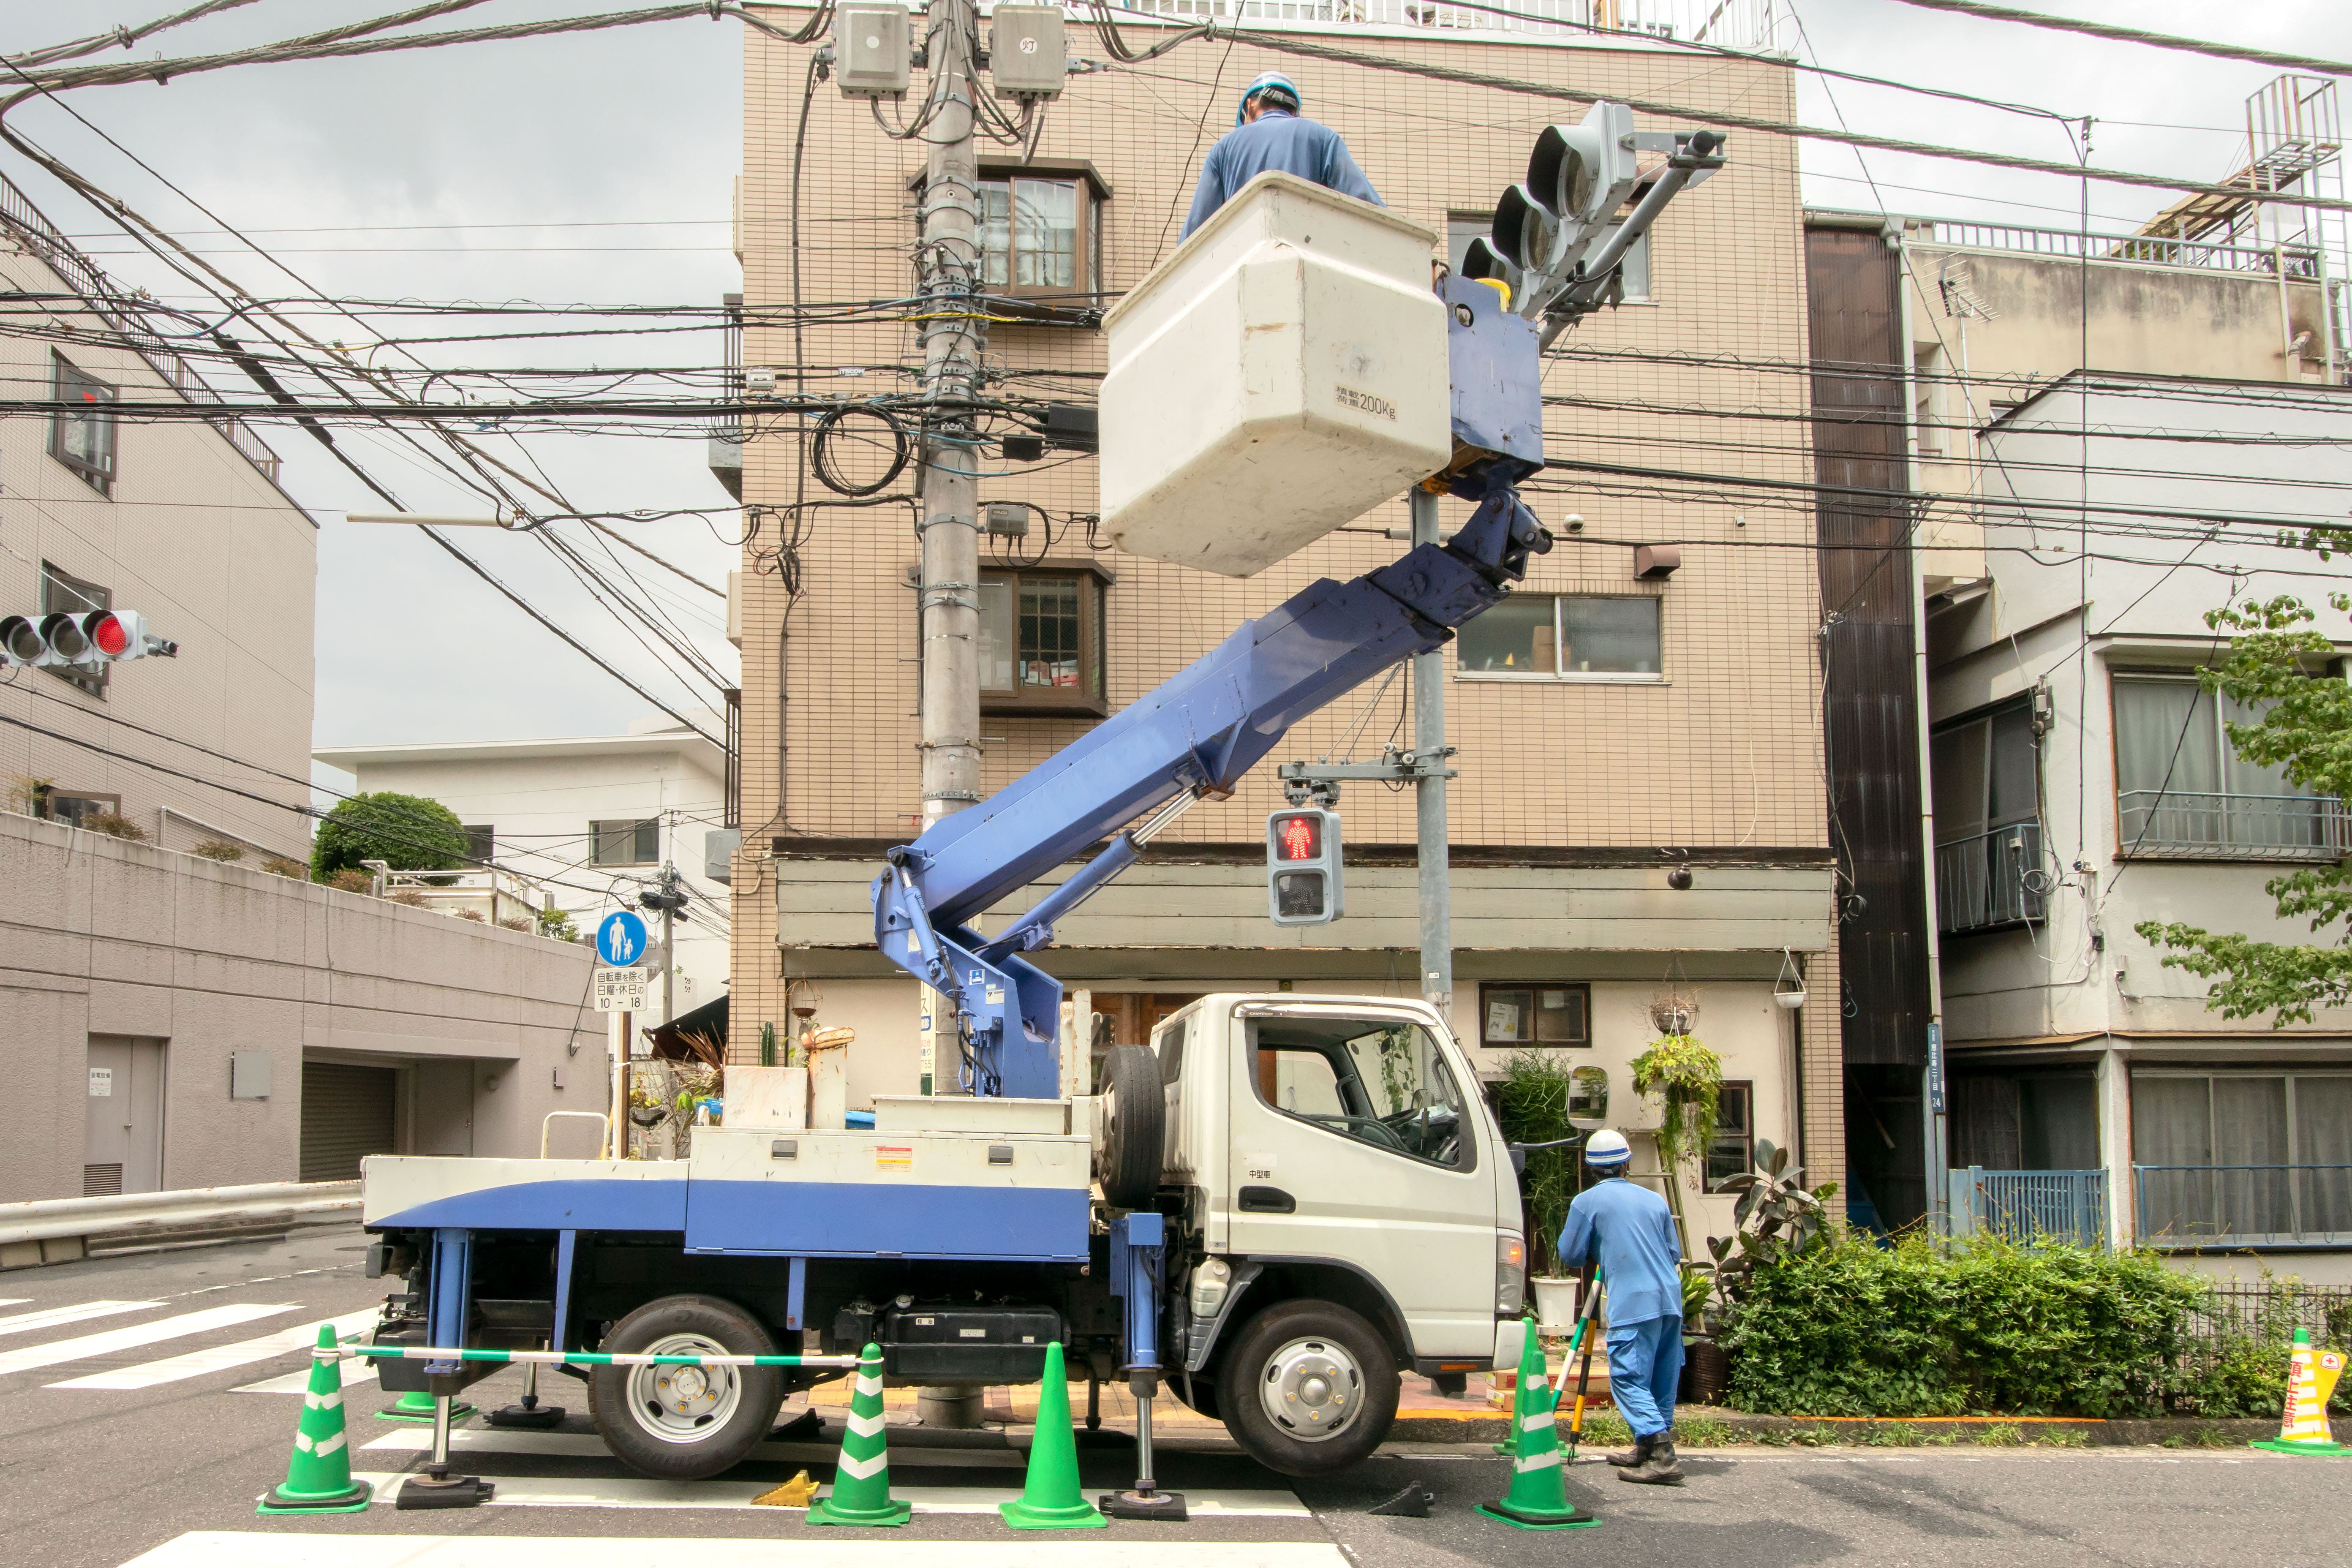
1660,1469
1639,1453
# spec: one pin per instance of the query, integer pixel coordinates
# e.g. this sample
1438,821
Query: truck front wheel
686,1423
1309,1387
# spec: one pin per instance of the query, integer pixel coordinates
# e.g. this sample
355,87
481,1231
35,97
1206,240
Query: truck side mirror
1518,1160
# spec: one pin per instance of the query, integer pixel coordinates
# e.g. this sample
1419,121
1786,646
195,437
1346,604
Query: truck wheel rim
684,1404
1312,1389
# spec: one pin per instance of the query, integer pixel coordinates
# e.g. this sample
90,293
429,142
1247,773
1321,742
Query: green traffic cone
1538,1496
318,1476
1049,1498
417,1405
861,1479
1510,1445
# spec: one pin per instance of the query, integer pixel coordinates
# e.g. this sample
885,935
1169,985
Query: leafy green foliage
406,831
1776,1218
1849,1328
1687,1078
1531,1104
2305,731
556,925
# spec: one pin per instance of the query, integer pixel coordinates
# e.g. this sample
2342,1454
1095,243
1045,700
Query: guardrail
2203,825
30,1232
1990,879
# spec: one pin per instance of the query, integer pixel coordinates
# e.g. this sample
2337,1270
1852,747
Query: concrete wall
103,937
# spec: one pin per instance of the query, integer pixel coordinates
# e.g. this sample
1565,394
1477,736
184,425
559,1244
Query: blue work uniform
1276,139
1631,1233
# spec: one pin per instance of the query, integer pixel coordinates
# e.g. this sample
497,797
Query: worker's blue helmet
1283,90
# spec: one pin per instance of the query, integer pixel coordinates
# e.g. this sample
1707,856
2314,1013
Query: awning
699,1035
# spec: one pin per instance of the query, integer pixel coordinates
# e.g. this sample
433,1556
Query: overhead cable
2134,36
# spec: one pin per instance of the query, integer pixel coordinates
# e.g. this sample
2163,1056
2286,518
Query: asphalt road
201,1348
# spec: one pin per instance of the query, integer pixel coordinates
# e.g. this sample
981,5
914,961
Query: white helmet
1607,1147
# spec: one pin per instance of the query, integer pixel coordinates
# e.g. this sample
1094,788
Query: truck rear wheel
1307,1387
686,1423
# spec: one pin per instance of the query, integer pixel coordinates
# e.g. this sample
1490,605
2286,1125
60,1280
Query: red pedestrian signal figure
1302,853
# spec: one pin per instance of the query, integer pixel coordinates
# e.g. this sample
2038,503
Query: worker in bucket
1270,135
1629,1230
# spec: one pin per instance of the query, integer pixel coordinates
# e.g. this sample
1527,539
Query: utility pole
954,340
669,943
1429,752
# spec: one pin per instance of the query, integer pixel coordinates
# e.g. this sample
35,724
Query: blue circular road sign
620,939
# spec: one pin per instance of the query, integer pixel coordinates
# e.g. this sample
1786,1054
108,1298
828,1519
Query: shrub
409,897
514,922
1531,1105
556,926
219,849
114,825
1917,1329
352,880
474,915
280,866
406,831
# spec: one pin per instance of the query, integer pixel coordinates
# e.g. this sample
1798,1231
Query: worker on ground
1629,1230
1270,135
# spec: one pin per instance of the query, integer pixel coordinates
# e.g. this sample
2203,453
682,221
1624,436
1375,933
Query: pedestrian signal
1302,865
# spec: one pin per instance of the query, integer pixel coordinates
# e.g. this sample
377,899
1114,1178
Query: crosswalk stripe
220,1358
587,1444
55,1317
256,1549
356,1374
13,1300
548,1491
56,1352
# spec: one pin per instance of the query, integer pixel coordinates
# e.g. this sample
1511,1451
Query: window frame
636,826
95,803
1465,1082
1089,699
89,595
2026,829
100,475
1582,988
2136,846
482,841
1558,596
1743,1136
1055,306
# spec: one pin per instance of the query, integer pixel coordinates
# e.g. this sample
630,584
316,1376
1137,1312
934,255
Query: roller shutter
347,1114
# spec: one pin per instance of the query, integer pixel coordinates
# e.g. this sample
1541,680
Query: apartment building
179,1019
1613,727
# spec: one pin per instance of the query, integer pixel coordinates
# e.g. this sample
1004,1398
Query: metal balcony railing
1990,879
2148,250
2243,1205
2068,1206
2171,824
1752,24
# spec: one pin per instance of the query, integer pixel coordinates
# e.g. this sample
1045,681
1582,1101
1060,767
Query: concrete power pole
954,340
1429,772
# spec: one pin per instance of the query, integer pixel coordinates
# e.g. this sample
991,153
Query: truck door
1351,1140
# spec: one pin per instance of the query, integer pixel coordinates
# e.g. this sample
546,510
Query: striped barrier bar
579,1358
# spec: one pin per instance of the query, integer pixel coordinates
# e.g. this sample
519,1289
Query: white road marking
220,1358
56,1352
811,1549
55,1317
356,1374
544,1492
13,1300
587,1444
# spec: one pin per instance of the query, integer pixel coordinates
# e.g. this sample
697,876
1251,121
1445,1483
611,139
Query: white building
603,813
2082,785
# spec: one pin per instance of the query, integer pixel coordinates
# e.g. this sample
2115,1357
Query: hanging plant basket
1673,1013
1789,990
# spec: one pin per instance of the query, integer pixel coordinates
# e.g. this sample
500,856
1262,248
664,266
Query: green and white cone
1509,1446
1538,1496
860,1493
417,1405
1050,1498
319,1477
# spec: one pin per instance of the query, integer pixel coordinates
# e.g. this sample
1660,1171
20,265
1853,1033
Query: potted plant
1687,1080
1531,1104
1776,1217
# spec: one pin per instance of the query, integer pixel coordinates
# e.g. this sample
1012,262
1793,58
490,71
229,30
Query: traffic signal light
83,639
1304,886
1577,177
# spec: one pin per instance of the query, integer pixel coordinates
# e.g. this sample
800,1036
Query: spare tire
1134,1128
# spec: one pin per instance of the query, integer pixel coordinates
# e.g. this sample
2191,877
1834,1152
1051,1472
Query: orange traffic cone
2310,1380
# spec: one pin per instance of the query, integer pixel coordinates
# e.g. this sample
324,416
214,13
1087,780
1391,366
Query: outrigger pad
527,1417
1168,1506
1410,1503
454,1491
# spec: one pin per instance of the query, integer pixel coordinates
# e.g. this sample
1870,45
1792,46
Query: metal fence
2068,1206
2237,1324
1992,879
2175,824
2299,261
1753,25
2189,1207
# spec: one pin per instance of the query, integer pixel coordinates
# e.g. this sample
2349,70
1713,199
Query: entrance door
122,1130
1352,1141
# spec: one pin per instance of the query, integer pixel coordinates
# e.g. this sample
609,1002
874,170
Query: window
1170,1043
2182,791
1564,637
1041,642
481,843
1378,1081
626,842
2247,1155
63,591
1733,1152
78,809
1461,227
81,436
1041,237
1927,398
1534,1014
1987,772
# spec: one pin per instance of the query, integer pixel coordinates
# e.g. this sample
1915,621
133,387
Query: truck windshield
1379,1081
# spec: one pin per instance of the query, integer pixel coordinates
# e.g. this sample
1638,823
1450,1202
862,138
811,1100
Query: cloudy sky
598,168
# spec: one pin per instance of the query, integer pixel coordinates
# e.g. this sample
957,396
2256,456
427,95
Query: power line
2134,36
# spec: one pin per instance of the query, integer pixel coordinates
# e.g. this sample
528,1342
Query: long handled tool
1589,1306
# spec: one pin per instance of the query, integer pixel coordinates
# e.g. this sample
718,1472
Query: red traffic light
1299,837
107,634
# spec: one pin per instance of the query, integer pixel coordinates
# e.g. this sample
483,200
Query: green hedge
1983,1327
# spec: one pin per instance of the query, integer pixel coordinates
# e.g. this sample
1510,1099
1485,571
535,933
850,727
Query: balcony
489,894
2146,250
1753,25
2026,1207
2168,825
2190,1207
1991,881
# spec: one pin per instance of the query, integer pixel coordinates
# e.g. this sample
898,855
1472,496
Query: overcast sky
598,168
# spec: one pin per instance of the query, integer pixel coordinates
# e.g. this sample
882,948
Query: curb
1427,1427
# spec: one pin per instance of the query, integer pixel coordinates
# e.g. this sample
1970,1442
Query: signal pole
1429,754
954,340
